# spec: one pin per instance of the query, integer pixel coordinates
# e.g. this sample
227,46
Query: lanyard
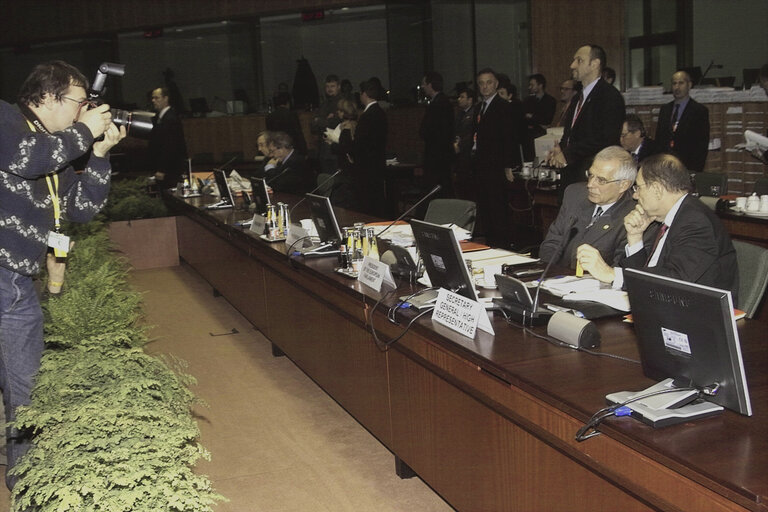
53,188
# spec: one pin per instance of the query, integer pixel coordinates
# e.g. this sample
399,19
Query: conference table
488,423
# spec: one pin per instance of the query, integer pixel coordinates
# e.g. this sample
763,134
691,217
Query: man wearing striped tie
670,233
593,212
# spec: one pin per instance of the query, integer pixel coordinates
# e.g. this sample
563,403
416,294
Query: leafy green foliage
113,425
128,199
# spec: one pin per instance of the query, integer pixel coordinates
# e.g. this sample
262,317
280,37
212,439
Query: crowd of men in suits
611,216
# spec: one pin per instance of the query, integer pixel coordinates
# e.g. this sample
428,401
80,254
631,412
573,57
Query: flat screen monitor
221,183
321,212
687,332
259,194
442,257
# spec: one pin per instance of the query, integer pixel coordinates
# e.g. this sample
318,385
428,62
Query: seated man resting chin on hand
670,233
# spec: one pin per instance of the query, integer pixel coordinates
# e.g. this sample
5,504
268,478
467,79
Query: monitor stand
667,408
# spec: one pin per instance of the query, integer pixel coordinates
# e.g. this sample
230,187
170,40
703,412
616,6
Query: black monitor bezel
225,194
705,315
321,211
440,241
259,194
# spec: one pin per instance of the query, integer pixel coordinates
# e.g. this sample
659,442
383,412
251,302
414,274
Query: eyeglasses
599,179
637,187
80,103
627,134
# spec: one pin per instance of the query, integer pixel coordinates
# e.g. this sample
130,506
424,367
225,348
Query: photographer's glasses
80,104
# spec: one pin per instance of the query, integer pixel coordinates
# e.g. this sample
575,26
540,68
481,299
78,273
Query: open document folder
577,289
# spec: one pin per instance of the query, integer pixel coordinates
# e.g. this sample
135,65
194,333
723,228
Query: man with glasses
50,128
593,212
634,139
670,233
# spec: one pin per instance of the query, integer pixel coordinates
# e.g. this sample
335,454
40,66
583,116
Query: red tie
578,108
660,234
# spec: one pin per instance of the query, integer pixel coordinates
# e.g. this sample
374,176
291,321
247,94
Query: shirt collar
673,211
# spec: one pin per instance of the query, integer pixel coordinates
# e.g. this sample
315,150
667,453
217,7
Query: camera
137,124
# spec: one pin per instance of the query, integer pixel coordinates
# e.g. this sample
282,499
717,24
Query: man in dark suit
167,151
289,174
592,122
593,212
683,127
670,233
635,140
437,132
464,131
497,152
539,109
369,153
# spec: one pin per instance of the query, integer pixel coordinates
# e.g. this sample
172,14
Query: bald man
683,127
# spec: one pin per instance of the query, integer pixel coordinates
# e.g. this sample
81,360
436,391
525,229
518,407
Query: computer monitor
226,194
687,332
321,212
442,257
259,194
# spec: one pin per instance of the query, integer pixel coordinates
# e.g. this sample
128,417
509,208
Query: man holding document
670,233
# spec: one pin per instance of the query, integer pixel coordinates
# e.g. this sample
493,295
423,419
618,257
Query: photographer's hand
97,119
112,136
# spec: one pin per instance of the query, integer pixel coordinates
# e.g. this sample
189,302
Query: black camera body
137,124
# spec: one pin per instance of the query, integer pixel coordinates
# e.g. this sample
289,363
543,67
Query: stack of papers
572,288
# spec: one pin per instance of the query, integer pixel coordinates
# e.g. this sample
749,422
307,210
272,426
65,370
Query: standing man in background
369,152
683,127
592,122
497,152
539,110
326,117
437,133
50,127
167,150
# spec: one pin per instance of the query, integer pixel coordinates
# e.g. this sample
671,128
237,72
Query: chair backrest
456,211
324,184
753,275
761,186
706,180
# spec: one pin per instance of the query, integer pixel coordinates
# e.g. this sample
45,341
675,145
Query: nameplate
258,224
296,233
374,273
458,313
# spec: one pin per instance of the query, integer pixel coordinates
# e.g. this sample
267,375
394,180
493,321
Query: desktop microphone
571,232
409,210
273,178
225,163
326,180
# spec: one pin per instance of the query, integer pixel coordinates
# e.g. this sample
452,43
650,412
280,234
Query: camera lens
136,124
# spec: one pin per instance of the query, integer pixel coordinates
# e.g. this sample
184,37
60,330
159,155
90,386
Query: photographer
41,137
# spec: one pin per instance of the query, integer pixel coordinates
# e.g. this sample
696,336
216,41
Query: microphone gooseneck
571,231
409,210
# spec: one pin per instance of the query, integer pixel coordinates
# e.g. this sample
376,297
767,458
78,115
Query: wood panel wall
560,27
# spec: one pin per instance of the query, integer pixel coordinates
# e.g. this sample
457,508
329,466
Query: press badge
59,242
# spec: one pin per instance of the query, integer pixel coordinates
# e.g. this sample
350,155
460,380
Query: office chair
452,211
706,180
761,186
753,275
324,184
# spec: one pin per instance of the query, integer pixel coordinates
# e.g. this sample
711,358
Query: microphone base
522,315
